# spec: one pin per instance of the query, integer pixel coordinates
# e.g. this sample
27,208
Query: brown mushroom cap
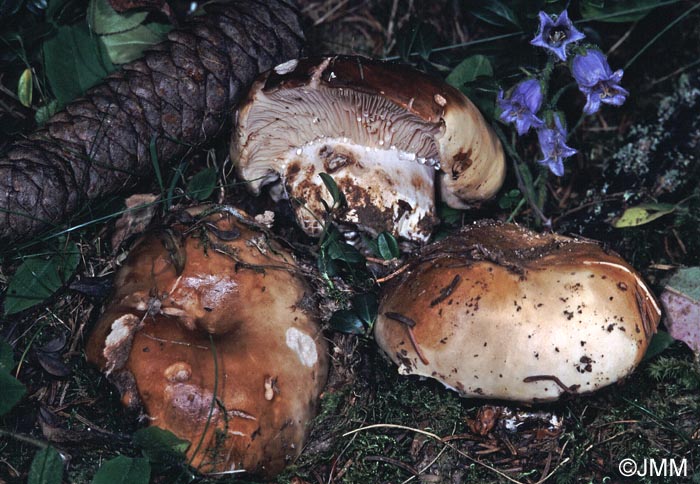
381,130
498,311
220,283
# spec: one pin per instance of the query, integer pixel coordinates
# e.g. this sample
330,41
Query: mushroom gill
497,311
208,333
380,130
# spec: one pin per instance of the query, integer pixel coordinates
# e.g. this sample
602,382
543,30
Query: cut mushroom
384,132
208,331
497,311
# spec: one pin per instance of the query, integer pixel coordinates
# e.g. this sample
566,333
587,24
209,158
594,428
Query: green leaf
617,10
681,301
416,37
12,391
47,467
38,277
332,187
469,69
123,470
153,150
160,445
642,214
103,19
7,360
25,88
366,306
347,321
45,112
202,185
496,13
75,60
387,246
345,252
686,281
127,46
510,199
659,342
449,215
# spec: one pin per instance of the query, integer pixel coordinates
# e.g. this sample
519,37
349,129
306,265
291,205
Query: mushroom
498,311
208,331
384,132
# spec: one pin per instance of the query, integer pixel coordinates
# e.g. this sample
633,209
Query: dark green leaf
9,7
45,112
326,265
344,252
387,246
510,199
659,342
57,10
332,188
469,69
47,467
617,10
153,150
7,360
496,13
347,321
103,19
416,38
127,46
202,185
75,60
160,445
330,236
123,470
449,215
37,278
12,391
365,306
486,103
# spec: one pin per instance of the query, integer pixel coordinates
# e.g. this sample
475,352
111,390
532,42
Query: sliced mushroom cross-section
384,132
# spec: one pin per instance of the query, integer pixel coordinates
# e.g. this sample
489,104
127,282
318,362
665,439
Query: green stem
24,438
555,99
662,32
213,399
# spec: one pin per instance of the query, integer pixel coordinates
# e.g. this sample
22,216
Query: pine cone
180,94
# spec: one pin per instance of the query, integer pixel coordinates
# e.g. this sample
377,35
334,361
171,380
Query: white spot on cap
439,100
303,345
286,67
178,372
118,342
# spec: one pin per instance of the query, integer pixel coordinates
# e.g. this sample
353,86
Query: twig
441,441
392,275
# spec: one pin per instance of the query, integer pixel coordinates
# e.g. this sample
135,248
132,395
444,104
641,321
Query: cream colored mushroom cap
501,312
216,310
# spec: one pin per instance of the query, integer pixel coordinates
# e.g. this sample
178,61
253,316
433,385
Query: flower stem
662,32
